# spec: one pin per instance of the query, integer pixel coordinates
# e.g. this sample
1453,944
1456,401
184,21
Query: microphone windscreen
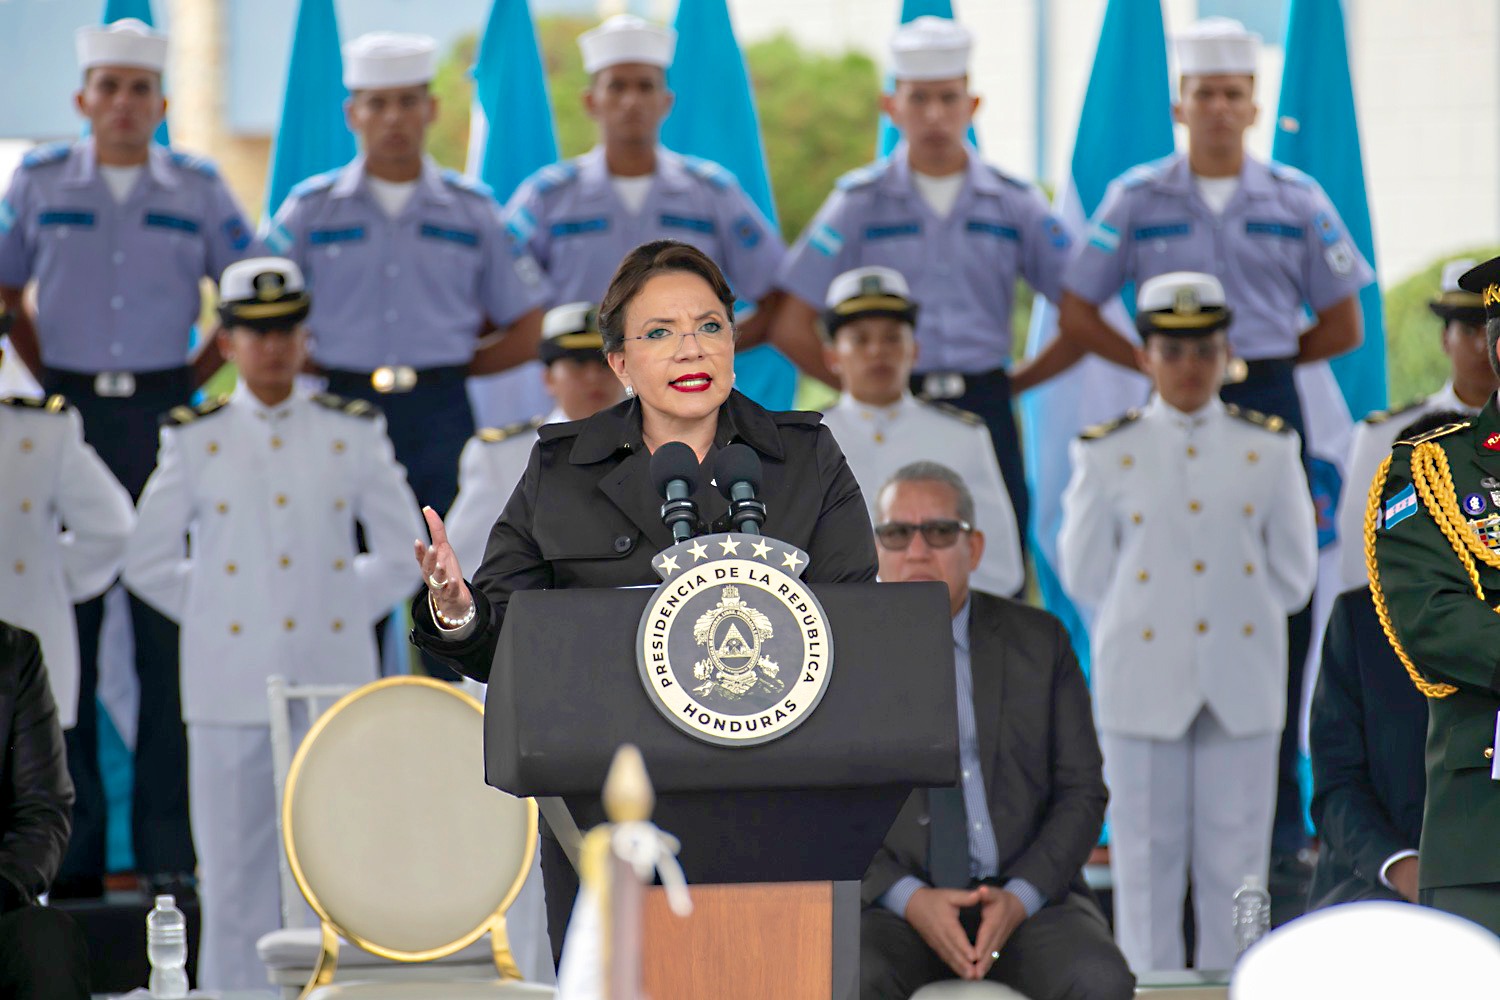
736,463
674,460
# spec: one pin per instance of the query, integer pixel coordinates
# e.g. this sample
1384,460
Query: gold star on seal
699,550
731,546
668,564
761,550
791,561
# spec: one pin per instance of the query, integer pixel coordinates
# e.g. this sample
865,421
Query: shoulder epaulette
353,407
179,415
464,183
1001,175
708,170
51,404
862,177
1274,424
949,410
1382,416
1291,175
554,175
494,435
197,164
1435,433
317,182
1107,428
51,152
1144,173
795,418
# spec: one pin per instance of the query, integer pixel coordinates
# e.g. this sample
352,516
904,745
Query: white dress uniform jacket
877,441
64,521
488,471
275,583
1371,444
1193,537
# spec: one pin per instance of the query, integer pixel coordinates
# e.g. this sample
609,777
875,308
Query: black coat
1368,733
585,514
36,794
1043,773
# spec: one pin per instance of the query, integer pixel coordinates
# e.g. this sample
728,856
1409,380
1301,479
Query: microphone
674,471
737,471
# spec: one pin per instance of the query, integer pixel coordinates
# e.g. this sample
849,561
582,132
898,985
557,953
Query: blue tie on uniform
948,838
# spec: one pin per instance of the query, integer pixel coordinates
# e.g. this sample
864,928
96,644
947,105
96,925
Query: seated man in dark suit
983,881
1367,734
42,952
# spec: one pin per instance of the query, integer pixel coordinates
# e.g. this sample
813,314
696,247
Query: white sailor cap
1217,45
383,59
126,42
867,291
626,38
930,48
1181,303
1376,950
263,292
571,330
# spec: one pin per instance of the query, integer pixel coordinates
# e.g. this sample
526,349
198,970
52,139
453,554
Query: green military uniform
1433,536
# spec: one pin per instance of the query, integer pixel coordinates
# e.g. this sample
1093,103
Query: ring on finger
435,583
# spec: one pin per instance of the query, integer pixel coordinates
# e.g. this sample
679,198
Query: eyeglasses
711,335
938,534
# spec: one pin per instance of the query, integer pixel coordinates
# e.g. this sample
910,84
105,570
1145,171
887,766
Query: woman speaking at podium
586,513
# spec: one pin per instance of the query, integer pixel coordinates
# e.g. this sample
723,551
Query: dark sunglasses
938,534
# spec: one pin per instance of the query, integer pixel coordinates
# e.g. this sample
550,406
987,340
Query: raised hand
440,571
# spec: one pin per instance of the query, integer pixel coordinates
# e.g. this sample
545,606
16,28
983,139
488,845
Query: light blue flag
117,10
312,136
910,11
511,87
1317,131
714,118
1126,120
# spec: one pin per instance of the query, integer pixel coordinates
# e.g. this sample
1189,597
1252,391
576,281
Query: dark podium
774,836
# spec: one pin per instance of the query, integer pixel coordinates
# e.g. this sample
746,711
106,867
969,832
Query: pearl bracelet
446,623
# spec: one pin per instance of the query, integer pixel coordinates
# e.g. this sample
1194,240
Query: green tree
1415,363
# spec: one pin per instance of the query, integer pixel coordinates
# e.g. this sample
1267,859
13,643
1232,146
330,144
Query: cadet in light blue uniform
1266,231
1276,244
117,232
958,229
407,265
580,217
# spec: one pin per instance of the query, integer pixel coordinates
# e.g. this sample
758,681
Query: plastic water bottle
1252,913
166,949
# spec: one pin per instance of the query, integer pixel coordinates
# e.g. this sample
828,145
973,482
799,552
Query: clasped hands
440,571
934,913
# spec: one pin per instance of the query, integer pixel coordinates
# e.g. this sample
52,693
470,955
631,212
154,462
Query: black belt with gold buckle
391,379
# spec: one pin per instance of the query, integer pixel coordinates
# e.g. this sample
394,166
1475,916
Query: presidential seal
734,649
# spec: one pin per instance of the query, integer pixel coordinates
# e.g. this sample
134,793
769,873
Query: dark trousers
987,396
428,427
560,885
43,956
1064,952
124,433
1479,903
1270,388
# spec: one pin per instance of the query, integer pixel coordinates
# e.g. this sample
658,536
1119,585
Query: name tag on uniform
114,385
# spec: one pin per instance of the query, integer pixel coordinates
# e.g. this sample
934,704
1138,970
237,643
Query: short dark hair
640,266
1491,337
933,472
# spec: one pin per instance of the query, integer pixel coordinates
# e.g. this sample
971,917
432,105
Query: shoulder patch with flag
1105,237
826,240
1399,507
